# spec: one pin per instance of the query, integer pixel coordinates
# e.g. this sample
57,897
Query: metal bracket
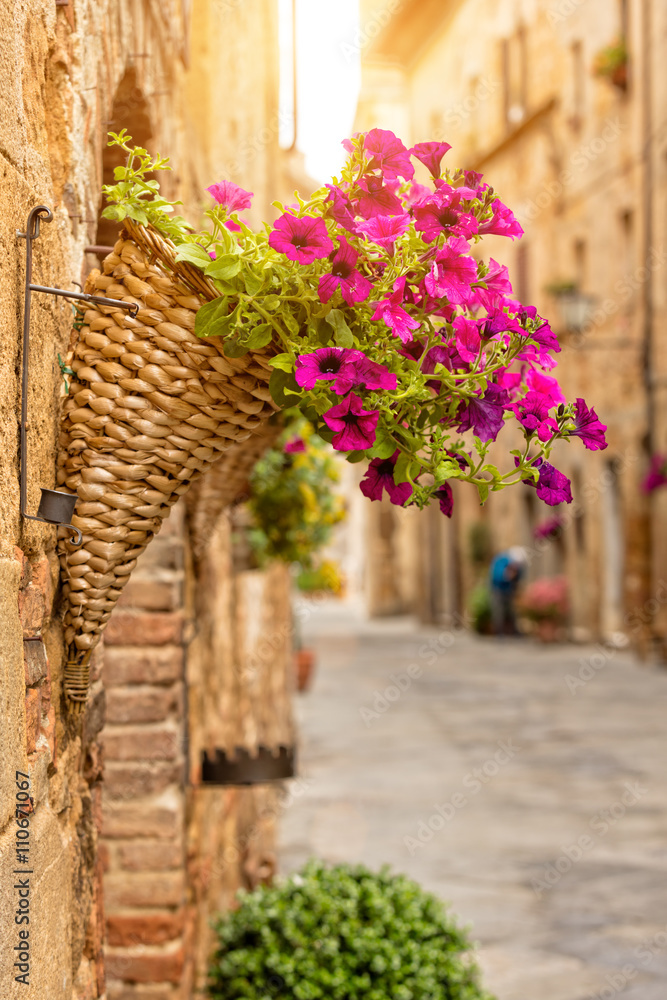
55,507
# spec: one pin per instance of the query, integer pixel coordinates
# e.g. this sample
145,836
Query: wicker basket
151,408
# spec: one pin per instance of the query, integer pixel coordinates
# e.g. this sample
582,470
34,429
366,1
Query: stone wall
198,82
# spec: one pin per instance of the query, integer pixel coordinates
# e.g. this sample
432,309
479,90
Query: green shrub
479,606
342,933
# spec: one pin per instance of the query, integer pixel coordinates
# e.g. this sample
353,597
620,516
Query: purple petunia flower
376,199
389,154
656,475
502,222
373,376
445,498
385,229
302,239
443,212
333,364
453,272
468,340
355,427
484,414
431,154
588,427
353,285
380,476
497,284
399,321
545,384
340,208
231,196
552,486
532,412
294,445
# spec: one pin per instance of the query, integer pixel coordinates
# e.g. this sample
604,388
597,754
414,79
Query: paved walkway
523,783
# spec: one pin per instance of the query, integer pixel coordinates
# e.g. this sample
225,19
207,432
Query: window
578,84
522,274
580,264
514,57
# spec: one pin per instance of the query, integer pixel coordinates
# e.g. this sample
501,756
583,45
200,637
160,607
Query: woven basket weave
151,408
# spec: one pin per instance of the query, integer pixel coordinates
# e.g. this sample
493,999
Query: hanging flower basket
151,407
364,306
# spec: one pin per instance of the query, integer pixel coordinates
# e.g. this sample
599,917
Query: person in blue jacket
505,575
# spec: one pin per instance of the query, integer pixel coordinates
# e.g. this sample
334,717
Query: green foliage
342,933
479,606
292,503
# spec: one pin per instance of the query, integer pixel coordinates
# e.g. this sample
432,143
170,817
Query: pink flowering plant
387,327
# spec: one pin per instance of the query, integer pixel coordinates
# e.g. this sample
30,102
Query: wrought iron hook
55,507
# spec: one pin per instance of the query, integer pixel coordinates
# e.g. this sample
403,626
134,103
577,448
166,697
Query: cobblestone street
525,784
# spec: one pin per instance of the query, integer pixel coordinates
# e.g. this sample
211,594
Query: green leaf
343,336
323,332
259,336
283,361
384,446
253,282
193,254
355,456
212,319
446,470
402,468
224,267
483,490
280,383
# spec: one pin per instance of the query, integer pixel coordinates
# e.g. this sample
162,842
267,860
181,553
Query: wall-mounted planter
151,408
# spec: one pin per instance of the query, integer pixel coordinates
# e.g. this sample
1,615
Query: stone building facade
196,80
580,157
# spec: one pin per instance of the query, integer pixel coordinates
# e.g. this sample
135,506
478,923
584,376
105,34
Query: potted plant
612,63
545,602
363,306
344,933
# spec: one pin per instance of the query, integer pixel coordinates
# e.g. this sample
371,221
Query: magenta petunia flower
656,475
430,154
376,199
399,321
389,154
302,239
339,365
502,223
445,498
374,376
588,427
294,446
231,196
484,414
498,285
453,272
552,486
355,427
385,229
380,476
340,208
353,285
443,212
468,340
546,385
532,412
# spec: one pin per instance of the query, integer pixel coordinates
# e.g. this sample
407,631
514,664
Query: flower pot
151,408
548,630
304,661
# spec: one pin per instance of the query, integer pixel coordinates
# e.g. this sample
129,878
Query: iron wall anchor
55,507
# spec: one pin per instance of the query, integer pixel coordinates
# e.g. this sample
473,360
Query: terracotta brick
129,822
33,717
145,744
34,660
143,928
146,968
123,782
139,704
150,856
158,991
122,889
137,665
43,580
151,595
48,729
151,628
32,610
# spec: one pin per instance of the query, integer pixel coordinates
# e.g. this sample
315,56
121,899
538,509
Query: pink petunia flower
231,196
588,427
385,229
498,285
545,384
443,212
331,364
294,446
339,207
484,414
502,223
380,477
376,199
399,321
431,154
302,239
372,375
388,154
553,487
453,272
355,427
445,498
468,340
532,412
656,475
353,285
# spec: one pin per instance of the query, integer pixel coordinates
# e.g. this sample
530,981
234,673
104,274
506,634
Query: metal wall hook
55,507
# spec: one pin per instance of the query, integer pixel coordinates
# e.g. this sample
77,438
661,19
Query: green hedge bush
342,933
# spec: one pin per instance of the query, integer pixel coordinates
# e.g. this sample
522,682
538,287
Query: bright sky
328,79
